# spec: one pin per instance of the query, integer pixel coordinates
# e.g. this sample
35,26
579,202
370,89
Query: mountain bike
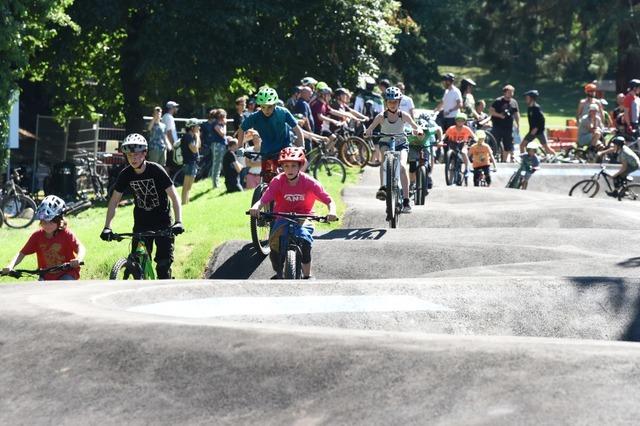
40,272
421,189
391,174
325,167
261,226
138,264
290,262
353,151
453,165
88,180
17,207
590,187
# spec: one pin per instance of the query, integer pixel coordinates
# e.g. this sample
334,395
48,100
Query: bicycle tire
122,267
328,170
178,177
260,228
585,188
18,211
99,192
389,200
450,168
421,191
630,192
495,146
291,271
354,152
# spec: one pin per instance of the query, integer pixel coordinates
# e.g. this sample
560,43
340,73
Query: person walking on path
218,145
450,104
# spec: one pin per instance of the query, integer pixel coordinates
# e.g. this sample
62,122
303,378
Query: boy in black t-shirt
536,123
231,167
504,112
151,187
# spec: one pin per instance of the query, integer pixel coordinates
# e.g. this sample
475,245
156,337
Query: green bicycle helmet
461,116
267,96
321,86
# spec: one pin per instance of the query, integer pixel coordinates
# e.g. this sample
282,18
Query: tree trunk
628,49
130,74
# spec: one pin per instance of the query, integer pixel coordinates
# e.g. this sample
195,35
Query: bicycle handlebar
145,234
294,216
17,273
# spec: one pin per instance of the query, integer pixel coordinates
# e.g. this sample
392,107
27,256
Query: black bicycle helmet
448,77
533,93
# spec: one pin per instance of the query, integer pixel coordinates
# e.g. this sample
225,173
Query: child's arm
376,122
332,215
221,130
408,119
175,203
82,252
111,208
15,261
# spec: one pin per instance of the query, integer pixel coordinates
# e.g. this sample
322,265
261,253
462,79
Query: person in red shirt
53,244
293,192
459,136
629,103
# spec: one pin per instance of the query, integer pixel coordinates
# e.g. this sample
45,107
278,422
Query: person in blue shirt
529,162
272,124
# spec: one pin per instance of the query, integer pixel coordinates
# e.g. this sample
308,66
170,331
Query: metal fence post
96,127
35,154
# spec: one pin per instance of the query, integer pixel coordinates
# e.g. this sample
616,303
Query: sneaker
382,193
613,193
406,206
276,277
310,277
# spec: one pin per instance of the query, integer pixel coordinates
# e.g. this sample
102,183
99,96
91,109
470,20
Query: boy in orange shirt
458,136
481,157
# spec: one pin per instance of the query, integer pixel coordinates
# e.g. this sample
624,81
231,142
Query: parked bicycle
40,272
17,207
352,150
138,264
590,187
290,262
325,167
88,178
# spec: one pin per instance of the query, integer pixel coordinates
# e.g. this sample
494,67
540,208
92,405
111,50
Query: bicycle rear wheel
18,211
495,146
260,227
355,152
329,170
421,186
585,188
122,270
630,192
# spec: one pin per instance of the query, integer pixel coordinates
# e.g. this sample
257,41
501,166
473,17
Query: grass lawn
210,219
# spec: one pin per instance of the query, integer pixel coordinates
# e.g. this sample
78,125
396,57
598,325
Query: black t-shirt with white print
149,189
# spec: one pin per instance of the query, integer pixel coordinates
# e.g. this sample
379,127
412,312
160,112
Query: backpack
177,153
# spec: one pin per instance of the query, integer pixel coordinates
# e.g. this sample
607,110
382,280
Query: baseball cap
172,104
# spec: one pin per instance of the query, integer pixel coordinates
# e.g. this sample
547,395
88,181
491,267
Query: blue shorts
190,169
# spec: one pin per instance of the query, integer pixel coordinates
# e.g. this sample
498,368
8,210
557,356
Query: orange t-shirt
62,248
480,155
464,134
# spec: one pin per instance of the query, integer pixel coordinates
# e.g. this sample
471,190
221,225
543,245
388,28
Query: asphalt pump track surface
486,306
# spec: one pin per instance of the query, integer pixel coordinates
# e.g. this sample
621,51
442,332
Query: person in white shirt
169,121
451,101
406,103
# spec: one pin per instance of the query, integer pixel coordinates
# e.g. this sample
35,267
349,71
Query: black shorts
505,136
540,136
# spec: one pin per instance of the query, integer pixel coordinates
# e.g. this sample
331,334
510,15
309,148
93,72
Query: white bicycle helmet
134,142
532,145
392,93
50,208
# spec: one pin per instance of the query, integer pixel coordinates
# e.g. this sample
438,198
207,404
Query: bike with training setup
138,264
17,207
290,262
39,273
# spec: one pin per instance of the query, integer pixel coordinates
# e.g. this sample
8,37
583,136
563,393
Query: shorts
404,146
585,139
190,169
505,136
542,138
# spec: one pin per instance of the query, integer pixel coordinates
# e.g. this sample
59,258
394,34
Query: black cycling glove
177,228
106,234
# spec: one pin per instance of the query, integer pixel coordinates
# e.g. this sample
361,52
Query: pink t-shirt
295,199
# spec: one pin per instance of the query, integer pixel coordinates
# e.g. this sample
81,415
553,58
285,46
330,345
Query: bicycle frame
139,255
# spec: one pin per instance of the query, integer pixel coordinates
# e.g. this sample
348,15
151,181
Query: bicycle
421,189
517,179
17,207
260,227
393,183
325,167
87,177
40,272
138,264
353,151
290,262
590,187
453,166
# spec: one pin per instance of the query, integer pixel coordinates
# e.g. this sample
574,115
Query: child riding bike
481,157
432,135
458,136
529,163
628,159
293,191
152,188
393,121
53,244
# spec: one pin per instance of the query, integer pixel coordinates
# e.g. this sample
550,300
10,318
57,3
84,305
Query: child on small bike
392,121
628,159
432,134
152,188
482,157
458,136
293,191
529,163
53,244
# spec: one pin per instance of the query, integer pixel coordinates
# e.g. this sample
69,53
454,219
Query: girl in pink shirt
293,192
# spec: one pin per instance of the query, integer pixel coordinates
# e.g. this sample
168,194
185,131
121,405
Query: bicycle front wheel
260,227
18,211
122,270
421,186
585,188
390,199
355,152
329,170
291,267
630,192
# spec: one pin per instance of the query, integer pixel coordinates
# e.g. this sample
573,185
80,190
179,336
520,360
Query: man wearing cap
504,113
170,122
536,123
590,128
451,101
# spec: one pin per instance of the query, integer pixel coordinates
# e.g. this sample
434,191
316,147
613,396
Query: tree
25,28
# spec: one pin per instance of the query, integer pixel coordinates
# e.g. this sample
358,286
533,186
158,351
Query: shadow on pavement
353,234
240,266
632,262
618,296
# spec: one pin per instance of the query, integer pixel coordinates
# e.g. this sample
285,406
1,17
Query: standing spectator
584,104
631,110
238,113
303,107
309,82
207,133
504,113
293,99
158,142
251,108
406,103
468,101
383,84
536,123
190,146
219,144
618,114
367,102
170,122
322,111
231,167
254,164
451,102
